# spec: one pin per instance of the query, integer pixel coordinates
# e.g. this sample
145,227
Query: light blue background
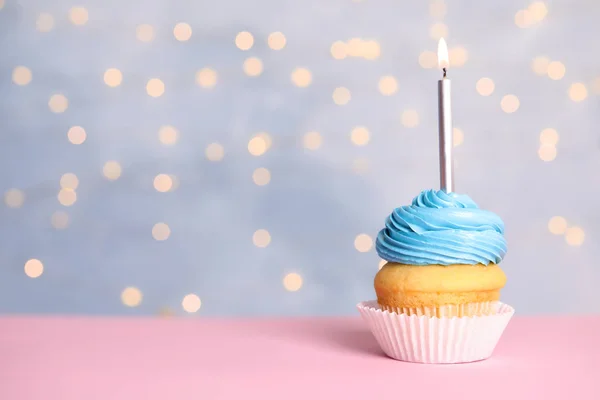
315,204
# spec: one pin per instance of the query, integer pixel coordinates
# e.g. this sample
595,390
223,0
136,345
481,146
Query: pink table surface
176,359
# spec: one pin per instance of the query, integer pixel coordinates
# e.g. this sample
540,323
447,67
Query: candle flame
443,61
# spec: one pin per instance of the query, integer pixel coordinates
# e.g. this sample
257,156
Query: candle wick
444,69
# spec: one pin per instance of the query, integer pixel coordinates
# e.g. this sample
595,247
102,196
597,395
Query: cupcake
442,256
438,294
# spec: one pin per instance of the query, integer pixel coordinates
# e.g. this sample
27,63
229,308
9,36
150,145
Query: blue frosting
442,228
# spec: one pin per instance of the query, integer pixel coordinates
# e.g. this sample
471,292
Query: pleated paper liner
451,310
436,340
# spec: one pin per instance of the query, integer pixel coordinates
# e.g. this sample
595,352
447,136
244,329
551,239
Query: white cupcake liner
432,340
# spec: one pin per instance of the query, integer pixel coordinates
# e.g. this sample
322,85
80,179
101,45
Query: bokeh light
206,78
292,282
261,176
131,296
575,236
163,183
301,77
360,136
215,152
485,86
244,40
155,87
144,33
67,197
111,170
182,31
341,96
557,225
21,75
363,243
276,41
113,77
458,56
257,146
76,135
14,198
168,135
161,231
69,181
537,11
428,59
58,103
312,140
437,9
523,19
261,238
388,85
540,65
549,137
34,268
547,153
78,15
510,103
556,70
578,92
191,303
438,30
253,66
44,22
339,50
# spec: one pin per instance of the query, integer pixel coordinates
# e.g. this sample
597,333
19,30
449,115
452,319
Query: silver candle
445,122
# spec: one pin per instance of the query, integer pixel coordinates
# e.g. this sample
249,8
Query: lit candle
445,122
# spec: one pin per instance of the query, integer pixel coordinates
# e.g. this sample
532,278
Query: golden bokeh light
428,59
131,296
382,263
438,30
244,40
14,198
168,135
547,153
161,231
113,77
341,96
485,86
111,170
457,137
67,197
339,50
510,103
437,9
578,92
458,56
556,70
155,87
78,15
574,236
537,11
182,31
410,118
276,41
292,282
34,268
540,65
215,152
44,22
76,135
69,181
312,140
370,50
144,32
363,243
360,136
261,176
191,303
265,136
206,78
261,238
58,103
21,75
59,220
360,165
163,183
523,18
388,85
253,66
549,137
257,146
557,225
301,77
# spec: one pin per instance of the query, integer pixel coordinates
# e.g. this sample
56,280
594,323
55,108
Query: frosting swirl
442,228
